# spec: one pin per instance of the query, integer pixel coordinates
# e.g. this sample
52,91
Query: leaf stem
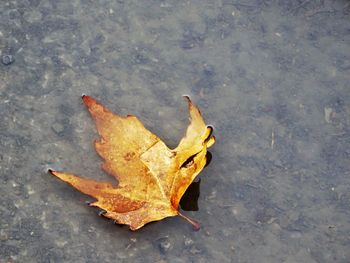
194,223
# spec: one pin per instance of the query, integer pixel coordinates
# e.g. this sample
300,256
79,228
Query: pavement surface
272,77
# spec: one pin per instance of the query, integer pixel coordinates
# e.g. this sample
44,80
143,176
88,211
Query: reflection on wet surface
189,201
272,77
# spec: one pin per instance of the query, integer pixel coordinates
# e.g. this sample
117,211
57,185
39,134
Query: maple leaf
152,178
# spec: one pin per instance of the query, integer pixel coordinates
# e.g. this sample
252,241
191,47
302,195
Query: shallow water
272,77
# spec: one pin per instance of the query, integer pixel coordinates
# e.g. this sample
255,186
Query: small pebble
57,128
194,250
164,246
188,242
7,59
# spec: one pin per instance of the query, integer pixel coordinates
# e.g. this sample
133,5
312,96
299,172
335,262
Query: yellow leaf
152,178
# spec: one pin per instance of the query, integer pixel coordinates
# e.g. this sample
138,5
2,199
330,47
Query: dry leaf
152,178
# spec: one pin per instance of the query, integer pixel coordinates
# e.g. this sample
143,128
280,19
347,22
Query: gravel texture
272,77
